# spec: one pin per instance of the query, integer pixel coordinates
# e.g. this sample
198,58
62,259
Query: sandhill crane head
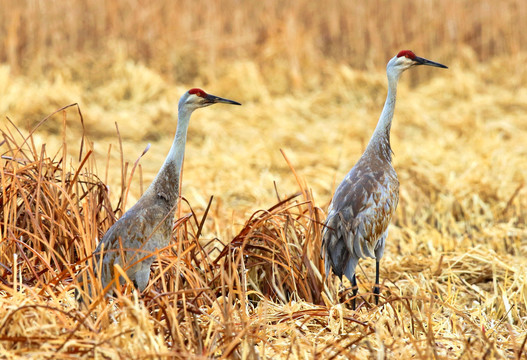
196,98
406,59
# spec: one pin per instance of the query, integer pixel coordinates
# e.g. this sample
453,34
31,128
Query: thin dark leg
354,289
376,290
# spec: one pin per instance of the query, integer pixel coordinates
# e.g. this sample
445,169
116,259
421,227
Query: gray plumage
365,201
147,226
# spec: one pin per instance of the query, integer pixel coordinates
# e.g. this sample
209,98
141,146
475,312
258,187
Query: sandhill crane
364,202
147,226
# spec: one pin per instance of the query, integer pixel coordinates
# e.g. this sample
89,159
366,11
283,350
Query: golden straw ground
245,279
458,293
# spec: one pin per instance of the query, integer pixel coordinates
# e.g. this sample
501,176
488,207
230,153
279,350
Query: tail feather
337,255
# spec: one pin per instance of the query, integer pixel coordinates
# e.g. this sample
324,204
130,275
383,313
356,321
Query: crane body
147,226
365,201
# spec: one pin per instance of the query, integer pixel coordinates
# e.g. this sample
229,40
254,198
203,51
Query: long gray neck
166,182
379,144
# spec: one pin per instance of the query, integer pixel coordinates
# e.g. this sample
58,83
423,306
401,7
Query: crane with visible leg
365,201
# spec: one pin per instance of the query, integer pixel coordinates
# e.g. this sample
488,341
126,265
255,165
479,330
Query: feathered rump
358,219
337,255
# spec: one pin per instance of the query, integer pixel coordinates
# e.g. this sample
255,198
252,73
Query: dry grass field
244,278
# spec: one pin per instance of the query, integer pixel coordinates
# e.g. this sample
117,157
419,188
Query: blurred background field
311,78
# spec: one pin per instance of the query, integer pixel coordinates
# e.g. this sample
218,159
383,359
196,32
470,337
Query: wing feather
359,215
138,232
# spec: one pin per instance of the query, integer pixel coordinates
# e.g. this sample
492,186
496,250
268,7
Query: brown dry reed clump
261,294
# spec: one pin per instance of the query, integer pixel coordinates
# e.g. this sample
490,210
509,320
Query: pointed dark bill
423,61
216,99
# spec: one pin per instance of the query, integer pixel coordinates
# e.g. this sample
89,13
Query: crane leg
354,290
376,290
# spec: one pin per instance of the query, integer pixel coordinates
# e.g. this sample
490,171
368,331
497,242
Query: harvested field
244,278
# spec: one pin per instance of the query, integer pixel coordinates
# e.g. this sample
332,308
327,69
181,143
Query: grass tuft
454,281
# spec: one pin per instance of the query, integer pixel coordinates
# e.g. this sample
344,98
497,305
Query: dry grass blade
253,286
277,247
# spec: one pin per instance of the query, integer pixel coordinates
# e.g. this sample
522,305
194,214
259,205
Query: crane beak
423,61
213,99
